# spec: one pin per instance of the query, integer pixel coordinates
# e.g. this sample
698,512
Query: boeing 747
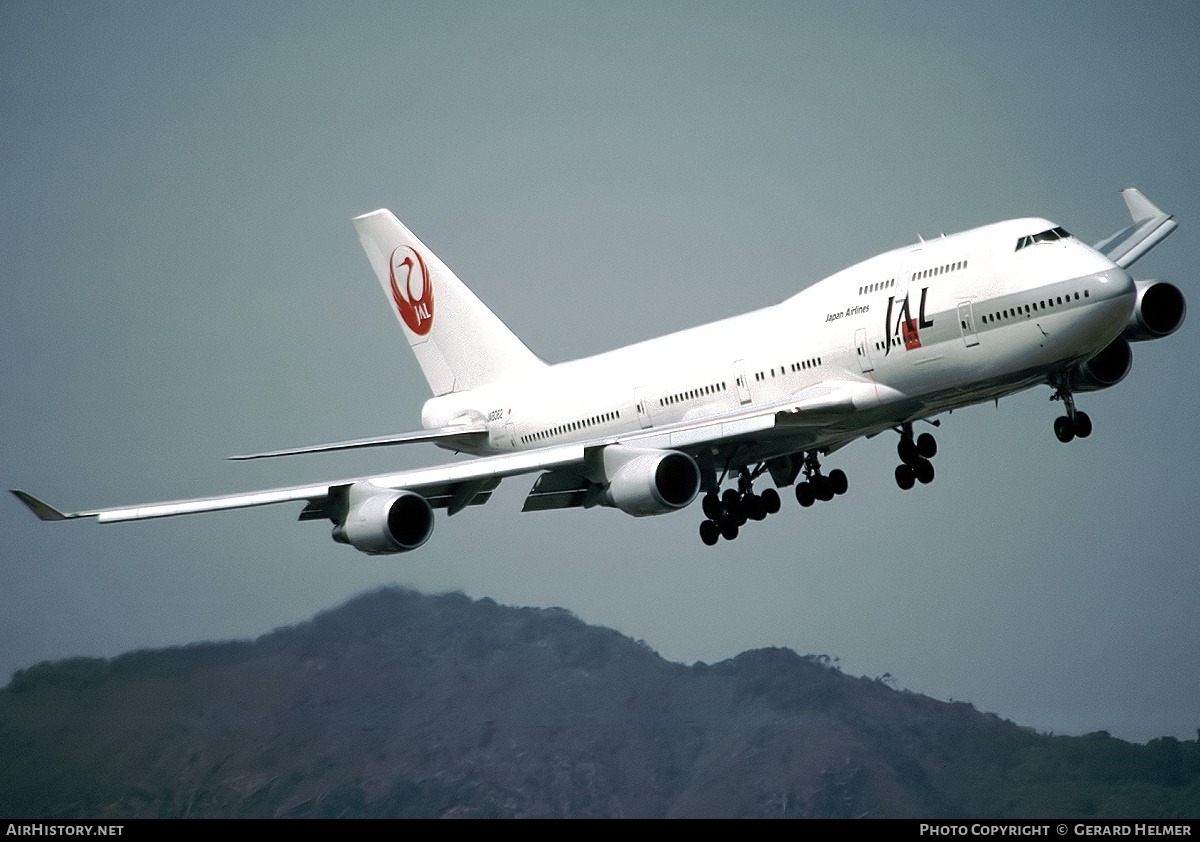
757,398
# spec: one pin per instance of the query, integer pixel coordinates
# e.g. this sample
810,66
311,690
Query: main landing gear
914,458
1075,422
817,486
727,513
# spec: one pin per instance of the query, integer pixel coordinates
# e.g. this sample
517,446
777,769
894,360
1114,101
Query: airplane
883,345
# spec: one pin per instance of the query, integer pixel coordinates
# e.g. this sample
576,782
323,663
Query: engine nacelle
1108,368
1159,311
380,521
649,482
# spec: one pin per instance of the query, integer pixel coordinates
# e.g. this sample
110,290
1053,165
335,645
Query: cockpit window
1049,236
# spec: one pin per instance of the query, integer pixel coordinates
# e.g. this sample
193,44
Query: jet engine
1108,368
380,521
1159,311
649,482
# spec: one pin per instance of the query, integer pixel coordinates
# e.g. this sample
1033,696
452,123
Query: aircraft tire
1083,425
927,445
924,471
823,488
907,451
905,477
770,499
735,509
1064,429
756,509
712,506
837,477
804,494
710,533
729,530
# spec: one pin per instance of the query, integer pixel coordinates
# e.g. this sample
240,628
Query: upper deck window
1049,236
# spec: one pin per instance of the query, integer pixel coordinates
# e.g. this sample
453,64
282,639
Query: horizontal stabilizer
445,437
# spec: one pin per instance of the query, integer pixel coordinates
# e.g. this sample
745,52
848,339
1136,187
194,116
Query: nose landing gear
1076,423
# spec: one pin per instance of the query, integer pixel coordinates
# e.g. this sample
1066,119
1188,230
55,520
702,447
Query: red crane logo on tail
416,310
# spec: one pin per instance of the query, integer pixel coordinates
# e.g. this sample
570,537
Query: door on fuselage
966,324
901,332
643,409
743,385
864,353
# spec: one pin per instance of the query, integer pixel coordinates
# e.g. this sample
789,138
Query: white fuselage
929,327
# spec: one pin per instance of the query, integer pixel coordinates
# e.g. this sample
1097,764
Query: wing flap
564,489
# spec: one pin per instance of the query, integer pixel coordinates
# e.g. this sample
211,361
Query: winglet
1140,208
41,508
1150,226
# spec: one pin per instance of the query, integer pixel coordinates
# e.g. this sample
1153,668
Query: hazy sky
181,282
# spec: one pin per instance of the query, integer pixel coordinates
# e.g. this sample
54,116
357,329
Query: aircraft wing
1150,227
443,436
470,482
453,485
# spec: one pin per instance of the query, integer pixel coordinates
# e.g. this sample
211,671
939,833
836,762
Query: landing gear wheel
756,509
927,445
1064,429
822,488
924,471
735,507
905,477
729,530
805,495
711,504
1083,425
907,451
710,533
770,499
837,478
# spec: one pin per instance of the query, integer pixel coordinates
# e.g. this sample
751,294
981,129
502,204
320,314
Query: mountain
402,704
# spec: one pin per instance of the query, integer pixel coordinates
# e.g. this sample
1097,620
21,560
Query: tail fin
459,342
